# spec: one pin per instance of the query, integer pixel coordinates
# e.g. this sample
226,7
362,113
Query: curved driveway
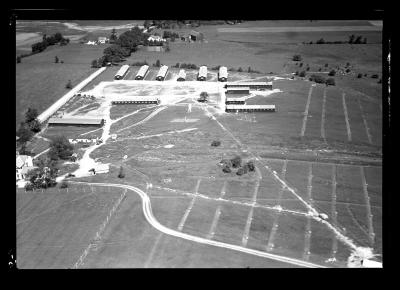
146,206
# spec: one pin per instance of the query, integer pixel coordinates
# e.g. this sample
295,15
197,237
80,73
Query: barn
181,75
196,36
238,90
121,72
237,101
202,76
162,73
142,72
136,100
250,108
98,122
251,85
223,74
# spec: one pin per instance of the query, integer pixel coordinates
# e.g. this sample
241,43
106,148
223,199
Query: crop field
55,226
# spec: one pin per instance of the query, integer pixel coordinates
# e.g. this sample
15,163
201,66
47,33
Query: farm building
121,72
223,74
196,36
142,72
155,38
181,75
238,90
202,76
162,73
250,108
136,100
238,101
98,122
251,85
102,39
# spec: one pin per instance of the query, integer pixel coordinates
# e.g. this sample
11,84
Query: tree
60,148
351,38
326,65
320,41
30,115
121,173
365,40
56,59
24,151
167,49
19,59
95,63
239,69
332,73
113,36
35,126
68,85
359,76
318,79
147,23
249,70
297,57
302,74
330,82
158,64
236,162
358,40
177,65
203,97
24,133
215,143
251,166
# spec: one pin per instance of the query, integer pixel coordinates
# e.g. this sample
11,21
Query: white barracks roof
238,88
203,71
122,70
94,121
249,84
182,74
163,71
250,107
134,98
223,72
142,71
242,99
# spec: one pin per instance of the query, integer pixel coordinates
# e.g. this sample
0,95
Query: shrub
320,41
380,81
18,59
365,75
60,148
301,64
308,68
239,69
226,169
177,65
215,143
121,173
330,82
318,79
64,185
297,57
326,65
296,73
29,186
359,76
56,59
236,162
231,69
320,69
348,70
332,73
226,162
68,85
302,74
374,76
242,170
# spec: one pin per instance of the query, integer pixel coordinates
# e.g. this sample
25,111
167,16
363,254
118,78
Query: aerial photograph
198,143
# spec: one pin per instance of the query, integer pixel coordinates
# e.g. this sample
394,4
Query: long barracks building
250,108
250,85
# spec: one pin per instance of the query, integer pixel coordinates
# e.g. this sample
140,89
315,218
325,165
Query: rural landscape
198,144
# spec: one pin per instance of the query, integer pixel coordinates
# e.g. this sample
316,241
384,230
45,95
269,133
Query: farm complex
209,166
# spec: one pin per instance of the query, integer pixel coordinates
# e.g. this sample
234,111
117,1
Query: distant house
196,36
156,38
24,164
91,42
102,39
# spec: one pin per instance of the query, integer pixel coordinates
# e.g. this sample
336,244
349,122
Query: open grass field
321,148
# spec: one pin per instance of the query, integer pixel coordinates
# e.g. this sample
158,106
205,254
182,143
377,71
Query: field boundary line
245,236
147,211
323,116
271,237
306,253
153,250
98,234
334,212
186,214
365,122
368,206
214,223
346,117
303,128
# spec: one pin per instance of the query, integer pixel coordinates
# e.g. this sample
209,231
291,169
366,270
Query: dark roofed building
76,122
196,36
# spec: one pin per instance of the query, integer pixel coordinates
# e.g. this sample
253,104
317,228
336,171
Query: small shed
196,36
181,75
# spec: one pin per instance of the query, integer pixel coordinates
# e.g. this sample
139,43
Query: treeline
172,24
123,47
353,39
49,40
27,129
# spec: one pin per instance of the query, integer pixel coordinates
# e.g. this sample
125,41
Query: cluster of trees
139,63
297,57
157,64
352,40
27,129
122,47
60,148
203,97
215,143
42,177
357,39
236,162
172,24
187,66
49,40
170,34
322,80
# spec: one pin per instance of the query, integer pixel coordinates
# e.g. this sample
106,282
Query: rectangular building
135,100
251,85
202,76
162,73
223,74
233,101
238,90
181,75
98,122
142,72
250,108
121,72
